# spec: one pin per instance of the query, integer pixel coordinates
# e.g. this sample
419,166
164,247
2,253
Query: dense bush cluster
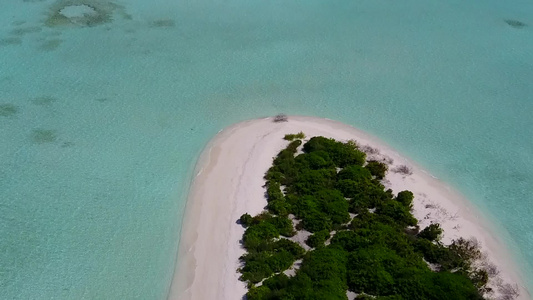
267,253
375,254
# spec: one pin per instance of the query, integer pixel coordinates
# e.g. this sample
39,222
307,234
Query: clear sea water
100,126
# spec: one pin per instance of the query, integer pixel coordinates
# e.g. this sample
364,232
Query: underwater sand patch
515,23
43,136
8,110
77,11
67,145
83,13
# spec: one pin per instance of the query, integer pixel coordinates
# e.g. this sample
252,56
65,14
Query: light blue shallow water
100,126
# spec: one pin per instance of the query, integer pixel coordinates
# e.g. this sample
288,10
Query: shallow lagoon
101,120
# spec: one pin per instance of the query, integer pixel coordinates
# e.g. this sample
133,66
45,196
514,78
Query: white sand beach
229,182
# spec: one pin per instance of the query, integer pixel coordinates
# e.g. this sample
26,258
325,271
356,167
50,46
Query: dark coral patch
163,23
8,110
10,41
67,145
515,23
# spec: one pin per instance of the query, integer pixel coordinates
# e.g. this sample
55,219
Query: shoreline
228,182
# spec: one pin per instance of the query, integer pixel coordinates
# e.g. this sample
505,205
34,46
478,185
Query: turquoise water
100,125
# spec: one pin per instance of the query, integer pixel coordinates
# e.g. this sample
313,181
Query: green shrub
315,160
349,241
258,293
316,221
283,225
291,247
341,154
479,278
246,220
431,233
277,282
370,195
377,169
293,146
274,191
355,173
370,270
258,234
398,212
334,205
325,263
467,250
290,137
312,181
279,207
405,198
273,175
276,257
317,239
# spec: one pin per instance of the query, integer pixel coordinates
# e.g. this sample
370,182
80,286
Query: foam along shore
229,182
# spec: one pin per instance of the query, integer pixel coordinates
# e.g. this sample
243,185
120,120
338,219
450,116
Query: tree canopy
372,254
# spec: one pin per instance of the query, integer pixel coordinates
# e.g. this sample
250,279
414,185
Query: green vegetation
376,254
291,137
377,169
317,239
431,233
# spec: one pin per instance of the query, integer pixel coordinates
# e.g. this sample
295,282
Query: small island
359,237
310,208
